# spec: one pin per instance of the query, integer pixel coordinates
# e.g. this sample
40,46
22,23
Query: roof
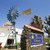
3,28
8,24
33,28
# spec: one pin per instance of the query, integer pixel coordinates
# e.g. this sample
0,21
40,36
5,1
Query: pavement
9,49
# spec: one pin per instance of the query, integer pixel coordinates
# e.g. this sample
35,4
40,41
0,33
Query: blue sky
39,7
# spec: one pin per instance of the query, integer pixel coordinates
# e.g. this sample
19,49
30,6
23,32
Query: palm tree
37,22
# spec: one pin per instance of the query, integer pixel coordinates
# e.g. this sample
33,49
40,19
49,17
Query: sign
36,39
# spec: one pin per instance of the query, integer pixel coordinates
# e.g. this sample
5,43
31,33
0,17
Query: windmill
12,16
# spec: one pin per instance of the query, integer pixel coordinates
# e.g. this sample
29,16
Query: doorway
10,41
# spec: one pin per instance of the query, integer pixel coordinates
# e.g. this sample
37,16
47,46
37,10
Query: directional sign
36,39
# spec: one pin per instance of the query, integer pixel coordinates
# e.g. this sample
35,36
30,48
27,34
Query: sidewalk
10,49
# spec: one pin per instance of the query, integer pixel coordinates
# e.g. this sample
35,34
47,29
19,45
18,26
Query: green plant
6,46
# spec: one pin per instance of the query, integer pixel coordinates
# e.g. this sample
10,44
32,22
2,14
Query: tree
37,22
24,36
47,27
23,39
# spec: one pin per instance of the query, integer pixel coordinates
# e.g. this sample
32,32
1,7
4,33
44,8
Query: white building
6,36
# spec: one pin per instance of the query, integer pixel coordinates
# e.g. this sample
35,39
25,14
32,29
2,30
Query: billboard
36,39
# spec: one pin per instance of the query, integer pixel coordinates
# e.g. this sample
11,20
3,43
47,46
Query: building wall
5,31
3,36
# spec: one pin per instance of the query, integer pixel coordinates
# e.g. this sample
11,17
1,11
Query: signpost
36,39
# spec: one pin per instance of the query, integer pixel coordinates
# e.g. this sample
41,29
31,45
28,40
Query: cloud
45,34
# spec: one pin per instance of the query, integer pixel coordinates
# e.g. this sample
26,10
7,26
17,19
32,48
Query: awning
33,28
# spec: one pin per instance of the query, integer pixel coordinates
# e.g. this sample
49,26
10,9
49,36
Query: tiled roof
33,28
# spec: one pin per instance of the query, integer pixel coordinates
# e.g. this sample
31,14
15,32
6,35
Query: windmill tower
11,16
